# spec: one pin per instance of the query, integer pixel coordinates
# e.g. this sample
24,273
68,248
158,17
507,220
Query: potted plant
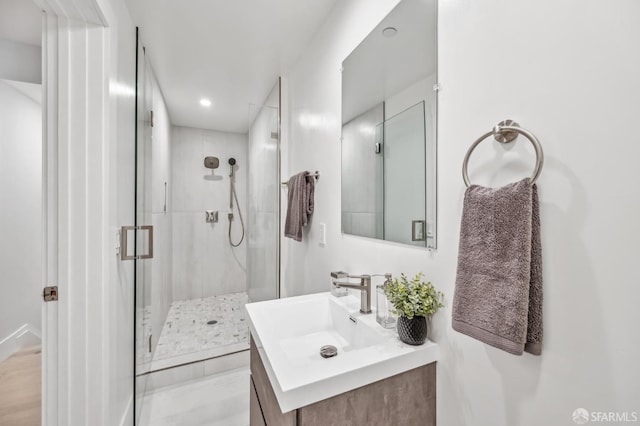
413,301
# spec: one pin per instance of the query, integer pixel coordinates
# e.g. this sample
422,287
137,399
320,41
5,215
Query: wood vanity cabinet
406,399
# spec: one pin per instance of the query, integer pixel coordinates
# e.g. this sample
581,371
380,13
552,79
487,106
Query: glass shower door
193,271
404,167
149,231
263,257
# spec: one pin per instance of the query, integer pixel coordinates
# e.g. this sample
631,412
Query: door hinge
151,118
150,346
50,294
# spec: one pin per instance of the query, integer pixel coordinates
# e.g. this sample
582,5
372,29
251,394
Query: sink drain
328,351
212,322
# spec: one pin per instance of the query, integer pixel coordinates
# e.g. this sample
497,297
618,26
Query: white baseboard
24,337
127,417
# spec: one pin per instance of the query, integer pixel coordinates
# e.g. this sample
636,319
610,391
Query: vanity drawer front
255,412
407,399
265,395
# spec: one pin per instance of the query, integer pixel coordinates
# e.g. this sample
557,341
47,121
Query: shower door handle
124,231
418,230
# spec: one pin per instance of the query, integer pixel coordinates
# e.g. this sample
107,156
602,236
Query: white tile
172,376
364,224
204,263
225,269
262,203
216,183
188,260
143,356
226,363
346,222
207,354
160,136
158,282
220,400
187,169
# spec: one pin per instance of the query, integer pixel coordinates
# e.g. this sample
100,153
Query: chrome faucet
364,287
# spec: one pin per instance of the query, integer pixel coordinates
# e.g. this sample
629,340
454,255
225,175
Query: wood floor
20,378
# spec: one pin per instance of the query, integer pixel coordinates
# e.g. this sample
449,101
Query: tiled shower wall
264,186
204,263
362,197
153,279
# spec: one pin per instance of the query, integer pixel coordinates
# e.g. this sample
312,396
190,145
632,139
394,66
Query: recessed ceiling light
205,102
389,32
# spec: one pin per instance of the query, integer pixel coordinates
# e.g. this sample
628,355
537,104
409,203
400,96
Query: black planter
412,331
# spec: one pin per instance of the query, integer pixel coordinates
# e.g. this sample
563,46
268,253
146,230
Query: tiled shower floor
187,337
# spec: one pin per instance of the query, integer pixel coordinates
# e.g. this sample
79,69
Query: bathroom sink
304,326
290,332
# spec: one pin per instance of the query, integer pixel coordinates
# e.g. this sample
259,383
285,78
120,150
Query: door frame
76,235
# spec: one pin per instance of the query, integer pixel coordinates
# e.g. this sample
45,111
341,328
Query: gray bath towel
498,295
300,205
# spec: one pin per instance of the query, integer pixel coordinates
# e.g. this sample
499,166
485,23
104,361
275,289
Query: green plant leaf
413,298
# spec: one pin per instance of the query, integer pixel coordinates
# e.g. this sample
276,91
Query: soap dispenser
384,310
335,290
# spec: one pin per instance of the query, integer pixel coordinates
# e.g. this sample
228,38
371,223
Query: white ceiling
228,51
20,21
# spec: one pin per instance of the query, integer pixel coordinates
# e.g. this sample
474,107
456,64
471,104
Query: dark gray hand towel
498,295
300,204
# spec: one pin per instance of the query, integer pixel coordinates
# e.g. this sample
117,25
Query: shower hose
235,197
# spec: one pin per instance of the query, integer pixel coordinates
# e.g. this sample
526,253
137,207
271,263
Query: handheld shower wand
232,162
232,196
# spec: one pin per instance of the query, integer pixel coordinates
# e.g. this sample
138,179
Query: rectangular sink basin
328,324
290,332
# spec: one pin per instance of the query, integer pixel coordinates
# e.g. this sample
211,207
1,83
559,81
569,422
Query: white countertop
289,333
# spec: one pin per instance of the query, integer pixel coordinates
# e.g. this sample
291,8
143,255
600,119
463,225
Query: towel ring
505,132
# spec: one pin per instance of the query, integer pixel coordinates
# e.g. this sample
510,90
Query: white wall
566,71
20,213
204,263
20,61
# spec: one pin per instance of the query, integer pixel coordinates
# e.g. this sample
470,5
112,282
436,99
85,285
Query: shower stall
206,237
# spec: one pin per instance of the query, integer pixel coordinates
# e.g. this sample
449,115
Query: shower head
211,162
232,161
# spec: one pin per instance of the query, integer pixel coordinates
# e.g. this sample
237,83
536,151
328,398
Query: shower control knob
211,216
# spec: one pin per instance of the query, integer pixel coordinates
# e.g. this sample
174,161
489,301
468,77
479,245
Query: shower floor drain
212,322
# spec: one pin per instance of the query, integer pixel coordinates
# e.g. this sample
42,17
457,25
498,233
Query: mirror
389,105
